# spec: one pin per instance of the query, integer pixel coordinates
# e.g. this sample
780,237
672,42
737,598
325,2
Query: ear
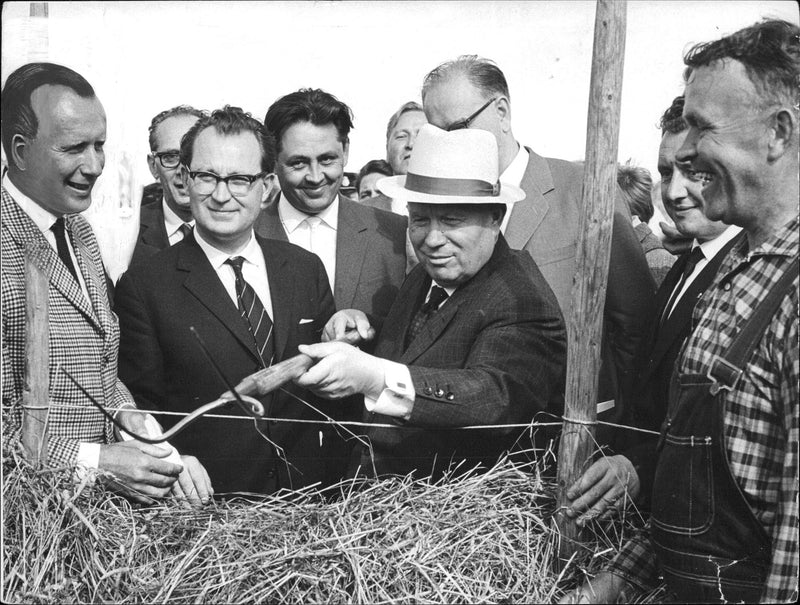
151,164
19,148
346,152
269,187
784,134
184,175
504,113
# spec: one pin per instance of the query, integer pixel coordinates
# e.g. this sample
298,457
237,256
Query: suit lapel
527,215
351,247
95,281
28,237
269,224
281,292
153,230
204,284
431,331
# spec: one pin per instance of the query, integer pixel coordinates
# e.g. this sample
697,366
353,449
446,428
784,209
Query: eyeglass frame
192,174
160,157
465,122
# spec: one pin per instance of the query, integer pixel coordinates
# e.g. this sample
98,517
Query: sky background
143,57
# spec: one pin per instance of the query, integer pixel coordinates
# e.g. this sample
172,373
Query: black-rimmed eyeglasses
238,184
168,159
460,124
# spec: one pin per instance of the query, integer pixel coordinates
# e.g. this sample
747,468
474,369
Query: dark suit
657,357
546,224
163,366
494,353
152,233
370,255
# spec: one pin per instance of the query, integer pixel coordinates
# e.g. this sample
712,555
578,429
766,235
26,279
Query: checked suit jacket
164,367
546,224
370,255
657,355
83,334
494,353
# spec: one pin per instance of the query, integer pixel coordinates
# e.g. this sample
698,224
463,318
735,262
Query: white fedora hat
458,167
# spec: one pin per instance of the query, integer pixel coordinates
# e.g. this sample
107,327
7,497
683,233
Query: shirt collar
291,217
42,218
515,172
784,242
171,220
250,252
711,247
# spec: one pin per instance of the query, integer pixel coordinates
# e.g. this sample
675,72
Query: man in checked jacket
54,129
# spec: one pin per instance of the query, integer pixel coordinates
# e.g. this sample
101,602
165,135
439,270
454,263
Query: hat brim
394,187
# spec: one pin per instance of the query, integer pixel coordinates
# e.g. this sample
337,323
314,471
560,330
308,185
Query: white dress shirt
710,249
513,175
317,236
254,269
173,224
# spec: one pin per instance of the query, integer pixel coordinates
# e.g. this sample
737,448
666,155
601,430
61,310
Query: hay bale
480,538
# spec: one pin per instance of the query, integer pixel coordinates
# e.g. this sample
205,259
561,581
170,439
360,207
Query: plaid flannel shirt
761,413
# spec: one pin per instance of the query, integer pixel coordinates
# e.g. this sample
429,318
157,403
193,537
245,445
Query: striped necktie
253,312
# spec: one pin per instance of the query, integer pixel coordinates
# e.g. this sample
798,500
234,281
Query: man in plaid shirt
725,508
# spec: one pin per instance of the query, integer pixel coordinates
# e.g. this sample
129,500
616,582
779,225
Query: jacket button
427,390
439,393
270,474
450,396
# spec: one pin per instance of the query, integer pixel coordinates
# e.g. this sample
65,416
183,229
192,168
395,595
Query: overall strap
725,371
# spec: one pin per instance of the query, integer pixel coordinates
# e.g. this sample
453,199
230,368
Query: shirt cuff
88,455
397,397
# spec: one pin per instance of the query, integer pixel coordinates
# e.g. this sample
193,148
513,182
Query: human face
310,166
455,99
367,187
168,137
58,167
224,220
401,140
452,241
727,142
681,192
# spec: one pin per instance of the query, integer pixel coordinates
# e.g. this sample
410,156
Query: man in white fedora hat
475,336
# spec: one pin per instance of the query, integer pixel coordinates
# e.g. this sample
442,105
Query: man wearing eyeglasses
253,301
168,219
472,92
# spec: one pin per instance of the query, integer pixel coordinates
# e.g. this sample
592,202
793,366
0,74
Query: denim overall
709,544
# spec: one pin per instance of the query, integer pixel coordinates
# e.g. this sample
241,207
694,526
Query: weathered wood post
584,324
36,386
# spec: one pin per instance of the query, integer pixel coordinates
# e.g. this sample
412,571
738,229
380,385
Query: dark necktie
253,313
61,246
185,229
426,311
695,256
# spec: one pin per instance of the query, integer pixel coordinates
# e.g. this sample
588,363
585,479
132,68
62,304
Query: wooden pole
36,385
584,324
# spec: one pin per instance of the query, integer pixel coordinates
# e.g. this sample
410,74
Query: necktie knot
236,262
695,257
437,296
185,230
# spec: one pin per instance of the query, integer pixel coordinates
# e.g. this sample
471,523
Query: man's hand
350,326
674,241
604,588
139,469
603,489
193,483
132,420
341,370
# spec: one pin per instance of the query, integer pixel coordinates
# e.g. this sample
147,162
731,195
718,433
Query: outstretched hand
139,469
341,370
603,489
605,587
193,484
348,325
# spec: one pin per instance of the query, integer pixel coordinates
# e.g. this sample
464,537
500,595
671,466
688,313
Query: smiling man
166,221
252,300
362,248
729,532
54,131
475,336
